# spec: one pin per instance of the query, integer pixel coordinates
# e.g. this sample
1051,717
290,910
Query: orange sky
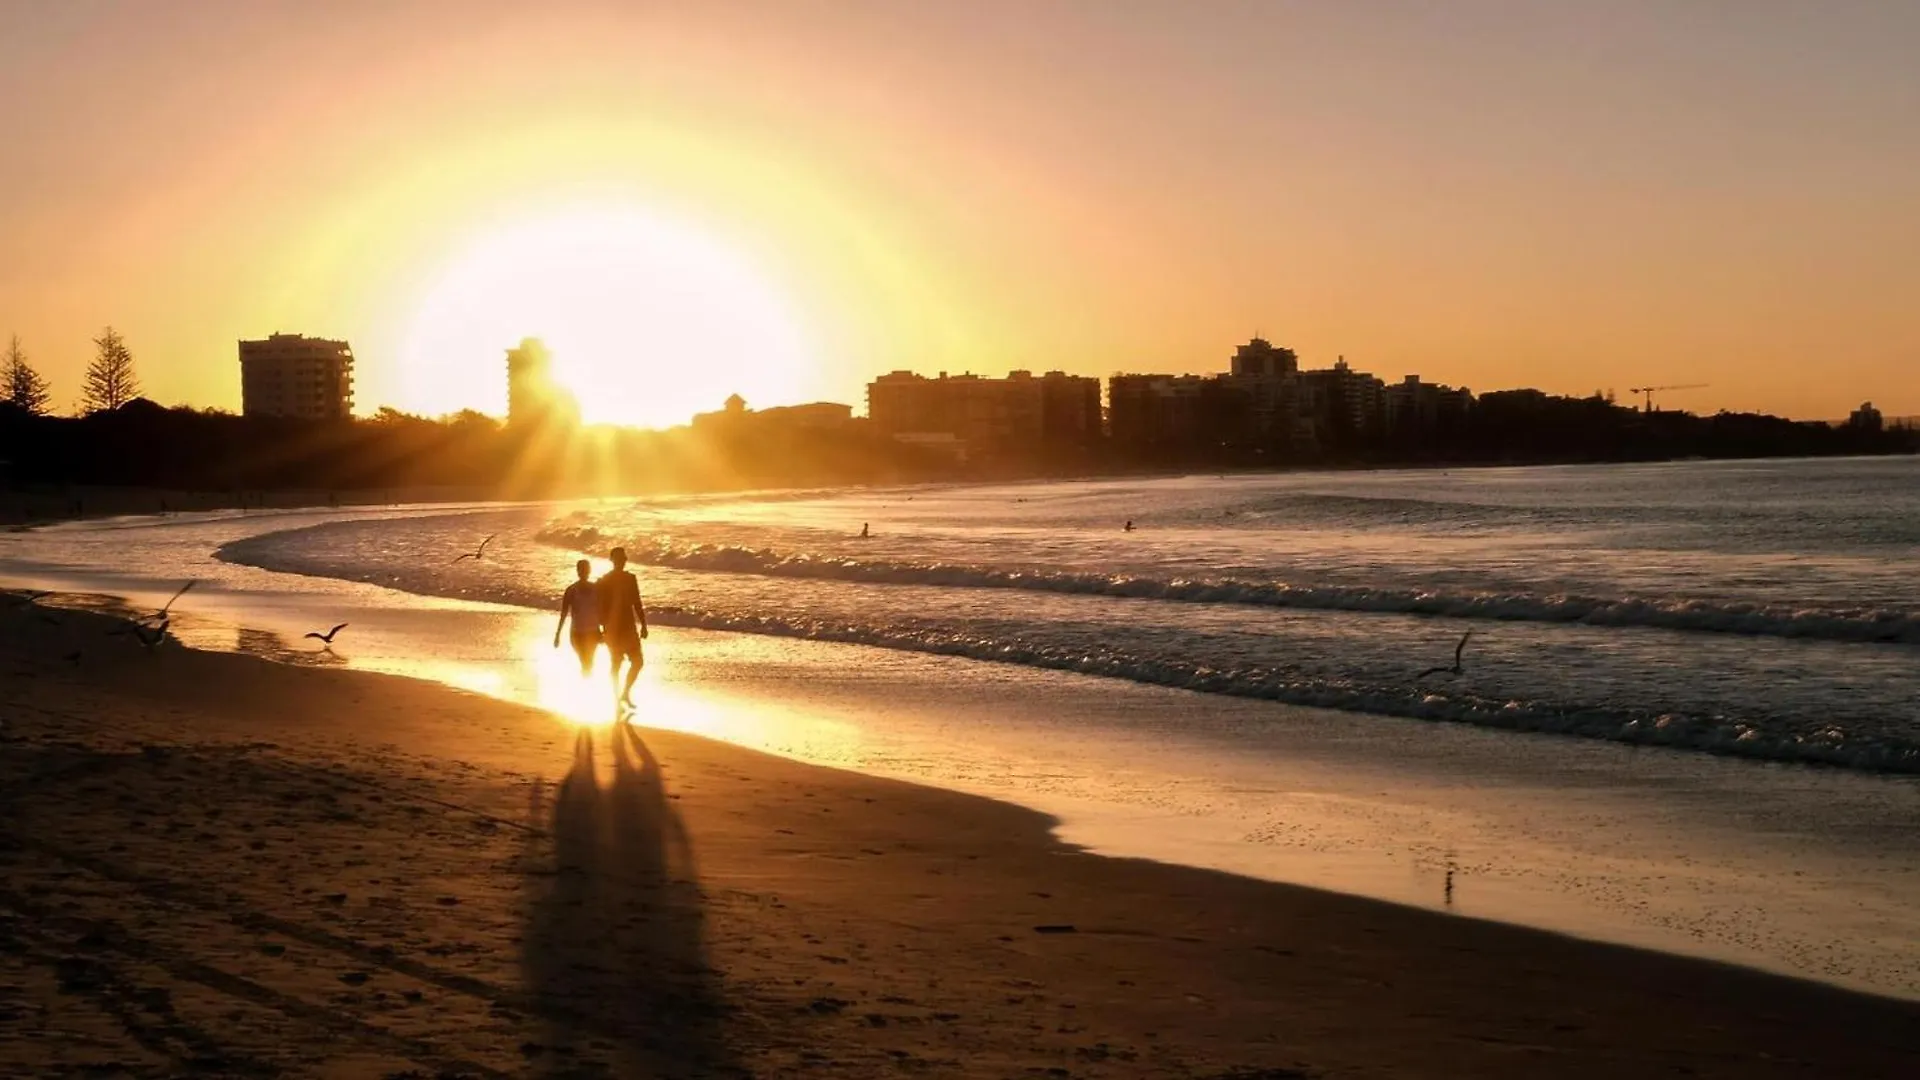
1485,193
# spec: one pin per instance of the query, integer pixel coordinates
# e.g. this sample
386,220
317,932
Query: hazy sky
1571,195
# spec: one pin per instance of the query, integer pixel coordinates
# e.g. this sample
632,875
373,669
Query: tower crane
1646,392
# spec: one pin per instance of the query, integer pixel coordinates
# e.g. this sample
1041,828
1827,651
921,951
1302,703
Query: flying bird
326,638
147,636
478,552
1455,669
162,615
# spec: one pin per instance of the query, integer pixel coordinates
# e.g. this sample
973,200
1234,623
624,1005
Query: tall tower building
295,376
532,395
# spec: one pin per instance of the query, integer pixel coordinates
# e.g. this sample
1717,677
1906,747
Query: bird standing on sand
1455,669
480,551
326,639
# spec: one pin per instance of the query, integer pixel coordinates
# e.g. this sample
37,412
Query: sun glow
649,320
561,688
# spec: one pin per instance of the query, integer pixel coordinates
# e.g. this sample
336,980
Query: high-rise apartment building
533,398
1156,410
1260,357
295,376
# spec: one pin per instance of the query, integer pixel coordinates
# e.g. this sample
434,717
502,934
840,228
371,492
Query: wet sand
217,865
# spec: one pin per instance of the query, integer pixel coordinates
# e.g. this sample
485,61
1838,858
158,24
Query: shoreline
838,915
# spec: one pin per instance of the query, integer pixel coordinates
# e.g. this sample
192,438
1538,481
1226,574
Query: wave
1767,740
1698,616
1831,745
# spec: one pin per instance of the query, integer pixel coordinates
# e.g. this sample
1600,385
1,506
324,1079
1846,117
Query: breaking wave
1762,738
1832,745
1846,625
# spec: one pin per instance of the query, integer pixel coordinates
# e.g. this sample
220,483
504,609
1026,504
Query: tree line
145,445
119,438
109,383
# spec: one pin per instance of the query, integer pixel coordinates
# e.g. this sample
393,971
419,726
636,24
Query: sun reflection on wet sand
560,687
528,669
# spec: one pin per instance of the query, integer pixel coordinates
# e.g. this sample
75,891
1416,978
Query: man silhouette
581,602
620,606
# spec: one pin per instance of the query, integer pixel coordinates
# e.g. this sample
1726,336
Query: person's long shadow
614,949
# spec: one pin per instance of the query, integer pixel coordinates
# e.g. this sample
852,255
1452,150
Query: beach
220,864
997,790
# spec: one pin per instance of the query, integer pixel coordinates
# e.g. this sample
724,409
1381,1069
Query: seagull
326,638
1455,669
479,551
161,615
148,636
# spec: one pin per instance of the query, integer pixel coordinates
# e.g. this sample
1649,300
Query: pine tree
110,379
20,385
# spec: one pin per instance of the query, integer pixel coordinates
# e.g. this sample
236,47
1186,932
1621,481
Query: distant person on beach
581,603
623,619
863,531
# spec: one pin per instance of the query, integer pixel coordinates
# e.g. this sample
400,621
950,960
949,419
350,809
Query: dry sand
215,865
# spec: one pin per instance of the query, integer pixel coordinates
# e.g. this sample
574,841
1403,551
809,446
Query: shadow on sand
614,950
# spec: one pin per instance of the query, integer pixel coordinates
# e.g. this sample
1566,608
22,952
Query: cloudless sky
1493,193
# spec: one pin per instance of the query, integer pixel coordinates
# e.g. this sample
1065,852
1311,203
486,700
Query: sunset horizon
1493,197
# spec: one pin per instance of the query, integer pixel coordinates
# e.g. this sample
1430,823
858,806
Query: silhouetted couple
608,610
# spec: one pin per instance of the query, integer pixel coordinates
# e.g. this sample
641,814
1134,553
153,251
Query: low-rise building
1018,411
735,417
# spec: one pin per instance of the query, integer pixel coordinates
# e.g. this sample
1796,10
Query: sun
649,320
